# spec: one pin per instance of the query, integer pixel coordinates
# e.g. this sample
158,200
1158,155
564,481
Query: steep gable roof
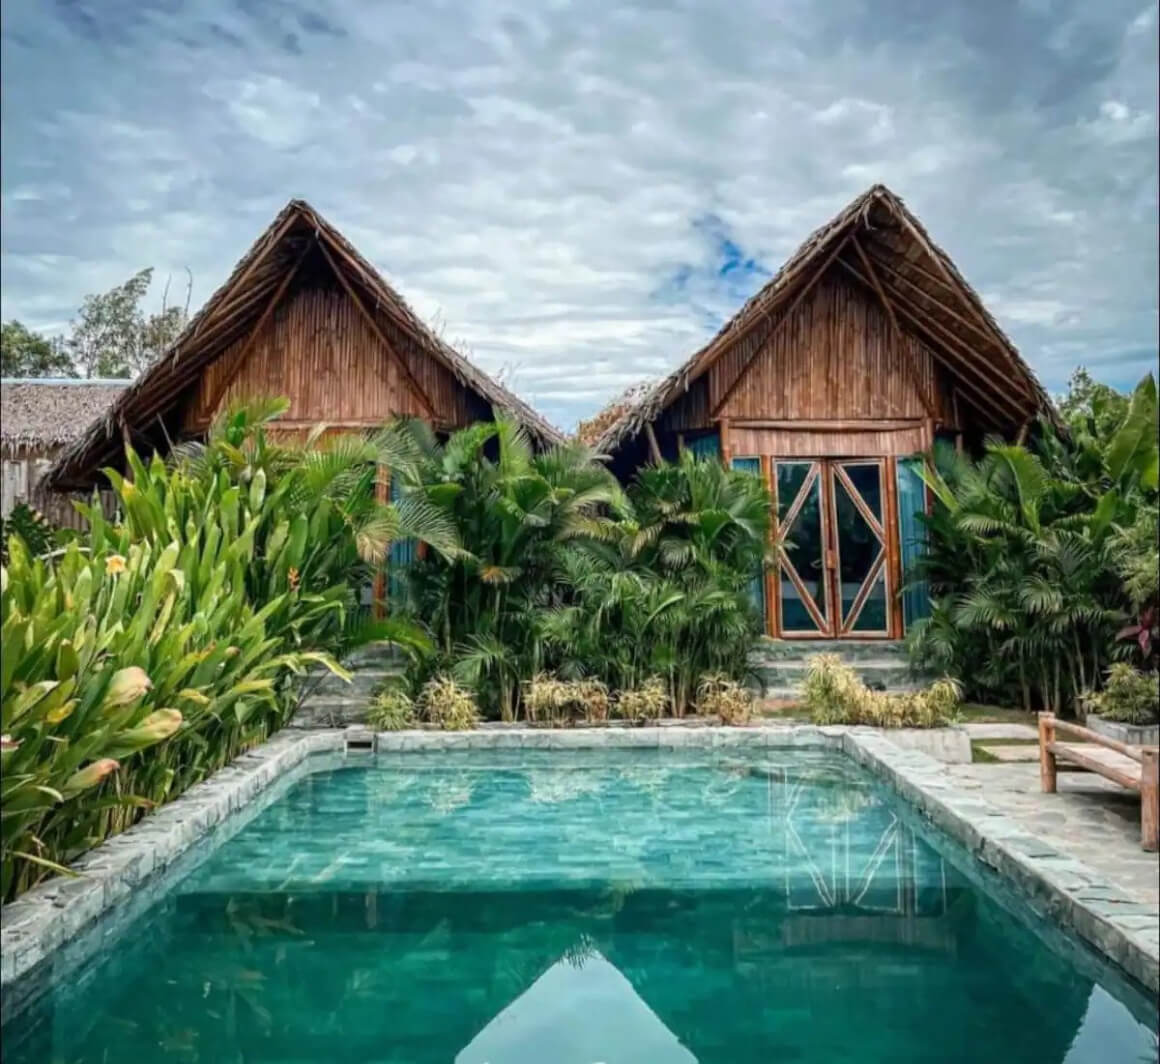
257,281
926,293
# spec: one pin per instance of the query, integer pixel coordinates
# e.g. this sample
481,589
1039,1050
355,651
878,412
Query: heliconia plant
110,654
153,649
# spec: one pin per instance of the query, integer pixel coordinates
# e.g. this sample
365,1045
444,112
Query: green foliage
1037,557
112,335
560,571
835,694
24,353
184,627
392,709
37,534
110,651
1129,696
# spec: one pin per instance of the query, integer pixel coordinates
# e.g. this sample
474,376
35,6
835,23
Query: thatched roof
928,294
47,412
235,307
591,430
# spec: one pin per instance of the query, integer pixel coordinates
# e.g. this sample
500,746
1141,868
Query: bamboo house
39,418
866,347
305,316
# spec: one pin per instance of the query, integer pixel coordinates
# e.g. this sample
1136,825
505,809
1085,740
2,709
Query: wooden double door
835,535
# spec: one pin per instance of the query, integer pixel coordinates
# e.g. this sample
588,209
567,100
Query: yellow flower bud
128,685
91,775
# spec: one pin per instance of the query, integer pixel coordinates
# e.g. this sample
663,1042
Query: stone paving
1089,818
1000,730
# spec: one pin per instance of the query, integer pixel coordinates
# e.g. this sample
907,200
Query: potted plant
1128,708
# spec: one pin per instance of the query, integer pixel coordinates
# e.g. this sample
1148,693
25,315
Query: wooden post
1150,799
1046,757
653,446
725,443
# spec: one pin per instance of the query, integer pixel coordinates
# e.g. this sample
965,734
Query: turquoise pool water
583,907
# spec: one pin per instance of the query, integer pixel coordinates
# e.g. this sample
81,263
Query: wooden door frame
828,471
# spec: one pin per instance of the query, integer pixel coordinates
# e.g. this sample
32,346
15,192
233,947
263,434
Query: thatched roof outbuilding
148,409
40,414
877,241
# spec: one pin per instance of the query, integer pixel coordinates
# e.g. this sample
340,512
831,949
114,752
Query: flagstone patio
1090,818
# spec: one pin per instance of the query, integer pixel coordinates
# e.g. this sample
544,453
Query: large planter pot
1133,734
951,745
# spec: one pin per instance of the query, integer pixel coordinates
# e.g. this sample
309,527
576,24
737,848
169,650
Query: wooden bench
1145,779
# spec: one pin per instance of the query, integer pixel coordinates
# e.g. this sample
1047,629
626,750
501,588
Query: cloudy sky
578,194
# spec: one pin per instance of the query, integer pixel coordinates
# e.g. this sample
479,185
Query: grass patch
979,713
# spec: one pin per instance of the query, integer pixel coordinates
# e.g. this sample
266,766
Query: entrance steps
781,664
330,702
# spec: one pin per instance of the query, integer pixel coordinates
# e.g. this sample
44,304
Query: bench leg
1046,757
1150,800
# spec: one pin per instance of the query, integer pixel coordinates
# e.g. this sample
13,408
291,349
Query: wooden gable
305,316
318,351
835,358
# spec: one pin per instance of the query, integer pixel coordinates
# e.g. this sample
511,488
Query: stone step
330,712
375,654
1012,752
878,675
364,681
768,649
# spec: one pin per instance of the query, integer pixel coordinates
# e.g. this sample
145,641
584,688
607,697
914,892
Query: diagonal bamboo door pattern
832,521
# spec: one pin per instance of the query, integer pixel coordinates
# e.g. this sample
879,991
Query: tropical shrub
835,694
721,696
1129,696
444,703
392,709
1039,560
234,567
560,571
310,509
110,651
33,528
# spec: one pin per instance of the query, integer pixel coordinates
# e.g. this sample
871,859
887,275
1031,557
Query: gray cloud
578,194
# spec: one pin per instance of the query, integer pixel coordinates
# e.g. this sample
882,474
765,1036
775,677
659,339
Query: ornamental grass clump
721,696
1129,696
835,694
559,702
646,702
546,698
392,709
444,703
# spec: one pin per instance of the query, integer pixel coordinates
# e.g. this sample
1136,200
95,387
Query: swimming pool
581,906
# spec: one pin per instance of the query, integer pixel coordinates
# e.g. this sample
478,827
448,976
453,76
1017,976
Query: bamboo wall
320,353
22,470
835,358
813,443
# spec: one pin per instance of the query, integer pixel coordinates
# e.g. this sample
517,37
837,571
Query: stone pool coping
1070,894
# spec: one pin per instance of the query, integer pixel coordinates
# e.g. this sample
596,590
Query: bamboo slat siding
319,352
20,481
792,443
836,358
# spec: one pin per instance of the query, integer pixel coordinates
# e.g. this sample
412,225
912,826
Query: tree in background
112,336
24,353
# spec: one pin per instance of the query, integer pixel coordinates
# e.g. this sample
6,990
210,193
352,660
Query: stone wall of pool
124,871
